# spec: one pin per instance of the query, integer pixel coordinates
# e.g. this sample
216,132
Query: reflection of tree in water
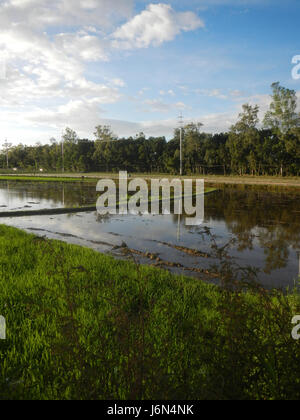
255,216
271,218
275,248
105,218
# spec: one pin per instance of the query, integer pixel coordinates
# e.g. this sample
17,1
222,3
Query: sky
136,65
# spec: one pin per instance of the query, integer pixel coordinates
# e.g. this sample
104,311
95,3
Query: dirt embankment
215,179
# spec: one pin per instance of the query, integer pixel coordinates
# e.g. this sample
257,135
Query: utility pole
62,152
180,118
7,146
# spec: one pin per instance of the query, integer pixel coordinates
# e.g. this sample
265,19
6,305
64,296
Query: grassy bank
214,179
46,178
84,325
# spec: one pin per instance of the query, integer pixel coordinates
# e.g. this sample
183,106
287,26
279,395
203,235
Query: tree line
268,147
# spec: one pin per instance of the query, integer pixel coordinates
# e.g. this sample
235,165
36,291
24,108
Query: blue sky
135,65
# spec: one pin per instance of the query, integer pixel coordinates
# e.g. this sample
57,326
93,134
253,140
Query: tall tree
244,139
193,141
104,133
70,136
281,119
282,115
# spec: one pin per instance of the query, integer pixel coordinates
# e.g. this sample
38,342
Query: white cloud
169,92
82,45
236,93
84,114
43,68
43,13
157,24
46,69
263,101
213,93
213,123
157,105
46,86
142,91
81,114
216,93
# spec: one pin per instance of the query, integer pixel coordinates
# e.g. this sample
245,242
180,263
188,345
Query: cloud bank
49,46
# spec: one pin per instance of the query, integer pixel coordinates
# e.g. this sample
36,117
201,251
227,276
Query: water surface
265,224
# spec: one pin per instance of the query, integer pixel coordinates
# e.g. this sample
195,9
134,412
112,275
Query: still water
264,223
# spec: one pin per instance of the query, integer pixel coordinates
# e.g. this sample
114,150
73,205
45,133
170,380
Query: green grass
222,179
45,179
82,325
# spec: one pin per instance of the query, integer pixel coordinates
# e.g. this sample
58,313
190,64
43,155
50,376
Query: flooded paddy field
262,225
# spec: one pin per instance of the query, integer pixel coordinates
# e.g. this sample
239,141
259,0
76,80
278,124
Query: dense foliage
271,148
